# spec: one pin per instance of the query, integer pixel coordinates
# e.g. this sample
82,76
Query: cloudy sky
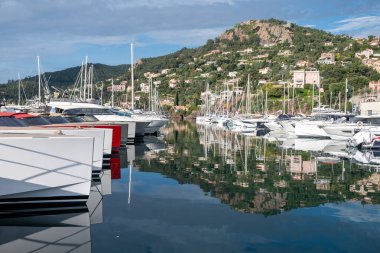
63,32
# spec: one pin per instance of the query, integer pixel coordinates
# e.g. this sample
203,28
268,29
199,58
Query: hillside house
302,63
212,52
165,71
205,75
364,54
285,53
246,51
116,88
263,81
374,42
152,75
232,74
144,87
374,86
260,56
172,83
326,58
264,71
302,77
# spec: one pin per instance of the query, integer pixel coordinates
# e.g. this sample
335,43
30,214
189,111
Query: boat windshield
56,120
88,111
325,117
88,118
33,121
369,121
74,119
8,121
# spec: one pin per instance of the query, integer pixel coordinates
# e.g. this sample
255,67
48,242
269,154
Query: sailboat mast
39,78
132,79
101,94
345,97
248,98
19,89
81,82
312,99
112,94
266,100
283,102
85,80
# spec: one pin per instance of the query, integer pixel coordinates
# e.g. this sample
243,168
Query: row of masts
231,103
85,81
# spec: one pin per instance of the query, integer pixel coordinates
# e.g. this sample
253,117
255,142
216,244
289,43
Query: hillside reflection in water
259,175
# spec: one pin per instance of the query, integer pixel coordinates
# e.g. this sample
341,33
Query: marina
221,126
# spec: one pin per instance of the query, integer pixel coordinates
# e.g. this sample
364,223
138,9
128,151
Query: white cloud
358,26
190,37
121,4
354,212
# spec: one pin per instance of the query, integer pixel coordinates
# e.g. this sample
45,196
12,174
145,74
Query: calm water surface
197,189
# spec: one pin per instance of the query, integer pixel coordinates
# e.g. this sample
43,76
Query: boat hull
44,168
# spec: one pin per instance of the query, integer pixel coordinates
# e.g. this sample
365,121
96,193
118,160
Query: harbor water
202,189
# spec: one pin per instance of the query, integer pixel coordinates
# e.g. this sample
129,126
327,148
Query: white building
302,77
144,87
365,53
326,58
264,71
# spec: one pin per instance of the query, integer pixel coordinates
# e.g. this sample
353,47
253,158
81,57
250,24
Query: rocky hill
267,32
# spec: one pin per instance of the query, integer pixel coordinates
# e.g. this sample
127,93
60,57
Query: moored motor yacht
97,134
136,128
313,127
344,131
41,168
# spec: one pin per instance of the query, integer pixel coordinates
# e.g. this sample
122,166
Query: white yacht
37,168
157,121
313,127
96,133
344,131
136,128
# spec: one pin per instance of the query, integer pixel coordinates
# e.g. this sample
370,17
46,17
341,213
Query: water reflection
264,175
67,231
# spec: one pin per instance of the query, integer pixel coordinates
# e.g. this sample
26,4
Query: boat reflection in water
65,231
264,175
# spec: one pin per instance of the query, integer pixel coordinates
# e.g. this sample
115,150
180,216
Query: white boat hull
45,168
310,130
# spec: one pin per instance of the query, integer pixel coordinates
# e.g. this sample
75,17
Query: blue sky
63,32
